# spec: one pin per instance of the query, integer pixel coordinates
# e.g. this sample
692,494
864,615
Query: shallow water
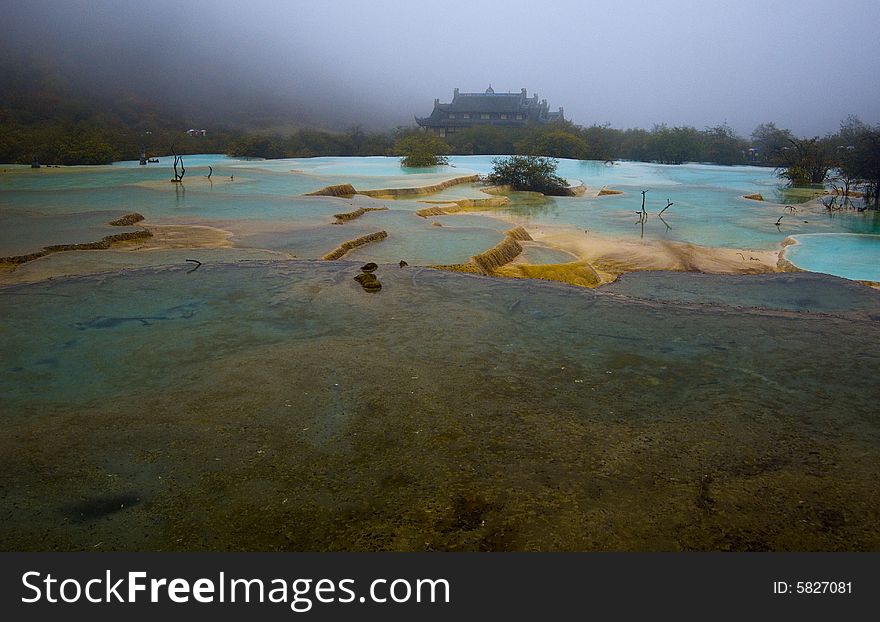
850,256
537,254
26,233
267,406
787,291
201,159
261,202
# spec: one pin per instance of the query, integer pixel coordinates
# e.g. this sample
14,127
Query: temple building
489,108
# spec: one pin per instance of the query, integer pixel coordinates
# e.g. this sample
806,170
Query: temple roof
489,102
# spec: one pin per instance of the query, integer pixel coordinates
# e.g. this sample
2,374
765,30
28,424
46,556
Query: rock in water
403,263
127,220
369,267
369,282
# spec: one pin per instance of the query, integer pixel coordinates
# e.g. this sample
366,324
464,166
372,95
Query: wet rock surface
127,220
369,281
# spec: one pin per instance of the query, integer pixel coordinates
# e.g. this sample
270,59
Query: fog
802,64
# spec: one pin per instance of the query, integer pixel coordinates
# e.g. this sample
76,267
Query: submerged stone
368,281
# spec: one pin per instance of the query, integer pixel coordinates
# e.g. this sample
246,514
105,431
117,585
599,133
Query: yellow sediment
608,191
488,262
345,247
430,211
571,191
504,252
339,190
783,264
461,205
498,189
754,197
603,259
186,236
465,203
574,273
102,244
127,220
346,216
611,257
391,193
519,233
151,237
347,190
505,190
468,268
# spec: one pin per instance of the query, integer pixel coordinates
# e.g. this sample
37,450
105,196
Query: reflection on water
273,406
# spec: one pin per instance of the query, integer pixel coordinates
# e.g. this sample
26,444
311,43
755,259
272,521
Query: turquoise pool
261,202
840,254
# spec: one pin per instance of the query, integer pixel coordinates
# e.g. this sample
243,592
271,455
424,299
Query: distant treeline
849,158
767,146
43,117
669,145
55,129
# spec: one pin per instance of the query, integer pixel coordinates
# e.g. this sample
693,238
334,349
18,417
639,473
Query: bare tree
178,177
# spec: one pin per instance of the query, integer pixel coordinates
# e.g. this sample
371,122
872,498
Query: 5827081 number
823,587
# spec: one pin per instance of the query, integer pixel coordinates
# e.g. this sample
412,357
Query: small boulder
369,267
368,281
403,263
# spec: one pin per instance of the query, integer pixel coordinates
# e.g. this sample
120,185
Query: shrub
534,173
420,150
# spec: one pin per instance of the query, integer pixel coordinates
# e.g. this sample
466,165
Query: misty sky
803,64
